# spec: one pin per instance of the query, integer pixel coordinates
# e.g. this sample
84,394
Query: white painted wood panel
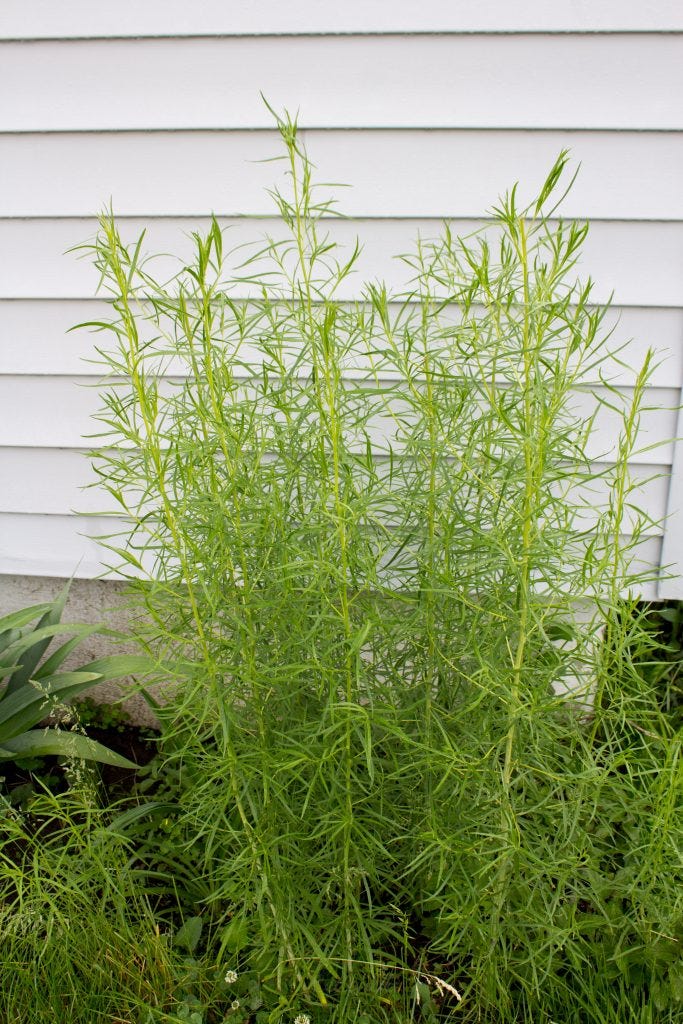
44,481
640,263
617,81
648,558
49,411
62,546
49,481
31,19
390,174
36,336
34,339
55,412
43,545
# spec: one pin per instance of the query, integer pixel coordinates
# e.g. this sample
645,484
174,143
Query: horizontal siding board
392,174
56,482
49,481
31,19
646,559
36,336
34,340
62,546
617,82
640,263
55,412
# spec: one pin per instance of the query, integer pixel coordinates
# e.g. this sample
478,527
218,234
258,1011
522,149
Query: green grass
79,940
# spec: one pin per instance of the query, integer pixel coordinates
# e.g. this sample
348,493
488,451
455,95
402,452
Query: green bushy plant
419,786
35,687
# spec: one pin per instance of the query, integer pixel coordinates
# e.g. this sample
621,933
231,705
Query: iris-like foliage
424,775
35,688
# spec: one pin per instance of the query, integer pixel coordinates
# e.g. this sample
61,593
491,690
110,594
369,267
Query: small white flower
302,1018
235,1004
230,977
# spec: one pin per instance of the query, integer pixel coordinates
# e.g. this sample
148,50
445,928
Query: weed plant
421,781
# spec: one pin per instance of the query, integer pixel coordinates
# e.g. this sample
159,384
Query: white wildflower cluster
302,1018
230,977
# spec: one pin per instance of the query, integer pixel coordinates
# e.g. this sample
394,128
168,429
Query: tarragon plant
360,528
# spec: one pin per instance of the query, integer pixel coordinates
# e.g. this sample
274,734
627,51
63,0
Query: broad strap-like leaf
9,636
113,666
15,655
15,620
25,708
43,742
58,657
32,656
188,935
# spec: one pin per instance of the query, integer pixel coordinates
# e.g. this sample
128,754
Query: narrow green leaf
122,821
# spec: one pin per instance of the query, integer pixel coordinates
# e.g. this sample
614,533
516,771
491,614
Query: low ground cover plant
415,761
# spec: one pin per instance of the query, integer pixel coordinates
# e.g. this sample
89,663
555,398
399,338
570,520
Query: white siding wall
429,110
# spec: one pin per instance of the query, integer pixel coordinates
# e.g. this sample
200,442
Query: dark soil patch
138,745
19,780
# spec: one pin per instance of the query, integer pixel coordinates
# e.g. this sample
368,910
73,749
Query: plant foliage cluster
416,763
36,688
